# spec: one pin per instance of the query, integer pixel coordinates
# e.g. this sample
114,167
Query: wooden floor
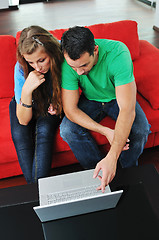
64,14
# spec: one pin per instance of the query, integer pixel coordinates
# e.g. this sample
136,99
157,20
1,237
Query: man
103,69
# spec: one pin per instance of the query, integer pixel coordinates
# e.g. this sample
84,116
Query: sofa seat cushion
146,71
8,59
7,149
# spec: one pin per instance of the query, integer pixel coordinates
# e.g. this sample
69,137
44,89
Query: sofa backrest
8,60
124,31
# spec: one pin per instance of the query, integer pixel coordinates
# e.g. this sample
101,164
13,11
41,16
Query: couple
47,80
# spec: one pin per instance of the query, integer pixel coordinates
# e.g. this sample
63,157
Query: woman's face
39,60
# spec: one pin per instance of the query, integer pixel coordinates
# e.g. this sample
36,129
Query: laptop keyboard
76,194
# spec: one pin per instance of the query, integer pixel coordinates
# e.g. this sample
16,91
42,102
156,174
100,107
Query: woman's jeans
33,143
84,146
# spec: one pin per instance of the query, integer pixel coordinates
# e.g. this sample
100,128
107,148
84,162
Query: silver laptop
73,194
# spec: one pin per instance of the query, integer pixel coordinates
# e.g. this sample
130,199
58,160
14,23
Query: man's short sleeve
69,77
18,81
121,68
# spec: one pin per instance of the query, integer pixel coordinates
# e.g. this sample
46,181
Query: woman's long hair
30,39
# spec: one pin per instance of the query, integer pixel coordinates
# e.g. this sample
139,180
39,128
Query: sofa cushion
8,59
146,71
124,31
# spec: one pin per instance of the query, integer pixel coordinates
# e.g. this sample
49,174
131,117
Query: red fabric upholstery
152,115
146,70
153,118
6,144
147,74
8,59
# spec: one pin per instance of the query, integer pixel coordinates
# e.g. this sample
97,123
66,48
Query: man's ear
96,50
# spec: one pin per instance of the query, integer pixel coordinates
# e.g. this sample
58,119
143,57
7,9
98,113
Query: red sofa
146,70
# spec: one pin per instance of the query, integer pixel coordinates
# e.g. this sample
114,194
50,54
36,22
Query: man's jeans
33,143
84,146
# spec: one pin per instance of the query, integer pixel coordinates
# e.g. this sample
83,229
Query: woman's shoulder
19,69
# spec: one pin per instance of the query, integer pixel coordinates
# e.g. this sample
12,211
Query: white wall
157,14
13,2
4,4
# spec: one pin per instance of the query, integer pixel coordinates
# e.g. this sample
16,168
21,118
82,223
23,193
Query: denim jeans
84,146
33,143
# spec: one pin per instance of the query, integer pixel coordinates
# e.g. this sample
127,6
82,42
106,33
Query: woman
35,110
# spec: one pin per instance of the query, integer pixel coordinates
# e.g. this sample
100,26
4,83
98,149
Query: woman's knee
44,133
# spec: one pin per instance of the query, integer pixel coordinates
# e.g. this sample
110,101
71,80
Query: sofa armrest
7,60
146,71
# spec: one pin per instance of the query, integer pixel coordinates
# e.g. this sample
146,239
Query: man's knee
70,130
65,128
143,132
141,126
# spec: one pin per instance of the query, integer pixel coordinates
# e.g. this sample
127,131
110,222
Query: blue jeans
84,146
33,143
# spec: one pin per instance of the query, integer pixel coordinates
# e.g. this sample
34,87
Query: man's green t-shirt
114,68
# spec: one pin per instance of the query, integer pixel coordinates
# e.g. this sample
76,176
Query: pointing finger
96,171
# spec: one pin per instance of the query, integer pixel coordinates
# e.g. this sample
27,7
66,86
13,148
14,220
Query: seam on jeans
36,162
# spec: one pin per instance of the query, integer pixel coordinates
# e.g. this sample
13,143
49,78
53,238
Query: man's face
84,64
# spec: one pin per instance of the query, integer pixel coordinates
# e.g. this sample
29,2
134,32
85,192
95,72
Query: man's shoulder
69,78
109,44
67,69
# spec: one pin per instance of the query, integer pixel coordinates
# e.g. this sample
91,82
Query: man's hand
108,167
110,135
108,164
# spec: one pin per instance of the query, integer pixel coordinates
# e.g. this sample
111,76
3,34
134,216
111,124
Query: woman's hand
51,110
33,81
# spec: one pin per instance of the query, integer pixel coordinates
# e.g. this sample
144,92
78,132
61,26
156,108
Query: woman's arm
24,114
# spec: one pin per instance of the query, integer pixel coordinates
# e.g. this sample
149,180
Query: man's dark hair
76,41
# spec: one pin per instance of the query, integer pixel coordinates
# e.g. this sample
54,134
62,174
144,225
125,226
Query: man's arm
126,98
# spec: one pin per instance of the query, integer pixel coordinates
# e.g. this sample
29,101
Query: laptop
73,194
